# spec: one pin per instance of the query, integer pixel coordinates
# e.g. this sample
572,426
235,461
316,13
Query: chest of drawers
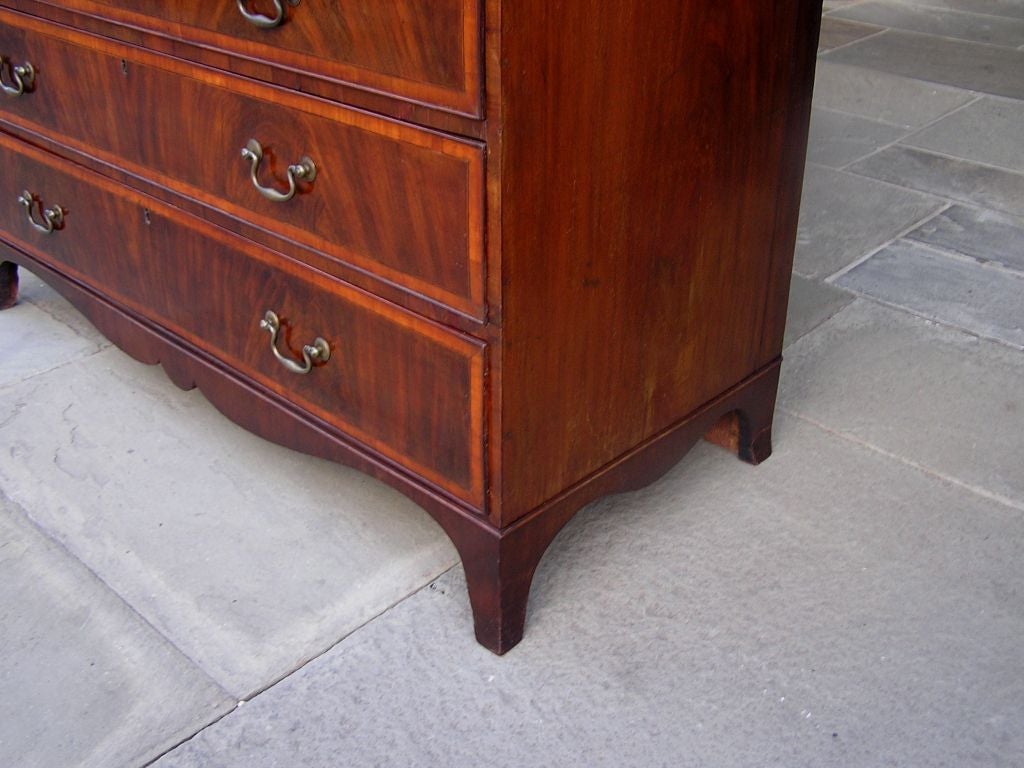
505,256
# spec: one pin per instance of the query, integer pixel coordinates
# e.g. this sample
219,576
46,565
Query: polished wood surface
646,250
365,206
608,249
410,389
425,50
8,284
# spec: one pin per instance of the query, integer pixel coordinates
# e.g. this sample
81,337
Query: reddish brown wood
618,247
421,305
637,241
411,389
499,564
423,50
311,82
365,206
8,284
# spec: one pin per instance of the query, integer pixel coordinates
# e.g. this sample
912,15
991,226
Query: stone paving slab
844,217
33,342
249,557
959,180
811,303
34,291
978,28
931,395
884,97
976,232
85,681
831,5
989,131
973,66
829,608
838,139
836,32
979,298
1011,9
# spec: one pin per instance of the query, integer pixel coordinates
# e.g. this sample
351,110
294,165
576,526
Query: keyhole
146,217
124,67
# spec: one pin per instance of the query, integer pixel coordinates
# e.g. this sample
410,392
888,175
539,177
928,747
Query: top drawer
426,51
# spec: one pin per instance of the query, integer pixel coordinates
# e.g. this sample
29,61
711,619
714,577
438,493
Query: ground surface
857,600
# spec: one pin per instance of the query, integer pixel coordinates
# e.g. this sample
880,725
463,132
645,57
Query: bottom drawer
408,388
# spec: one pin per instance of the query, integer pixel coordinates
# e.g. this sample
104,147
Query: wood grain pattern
423,50
309,81
629,221
645,248
8,284
499,564
410,389
400,202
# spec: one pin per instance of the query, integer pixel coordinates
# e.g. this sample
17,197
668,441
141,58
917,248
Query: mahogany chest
504,255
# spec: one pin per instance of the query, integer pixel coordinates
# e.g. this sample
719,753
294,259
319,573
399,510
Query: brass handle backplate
317,352
265,22
22,75
304,170
53,217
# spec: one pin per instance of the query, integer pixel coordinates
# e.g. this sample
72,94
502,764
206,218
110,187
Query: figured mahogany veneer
409,388
423,50
615,253
365,208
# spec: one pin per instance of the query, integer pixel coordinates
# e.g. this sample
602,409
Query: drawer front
422,50
410,389
395,201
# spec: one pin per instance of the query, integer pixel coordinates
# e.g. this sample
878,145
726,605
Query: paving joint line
914,131
133,611
947,156
830,279
929,34
881,31
10,387
301,666
965,258
937,321
844,6
1005,501
931,7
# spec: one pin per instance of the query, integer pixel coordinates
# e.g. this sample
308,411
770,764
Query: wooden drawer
398,202
409,389
425,51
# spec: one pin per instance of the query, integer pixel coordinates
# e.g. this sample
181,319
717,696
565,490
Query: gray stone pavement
857,600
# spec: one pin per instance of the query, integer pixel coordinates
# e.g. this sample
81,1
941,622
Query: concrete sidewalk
175,590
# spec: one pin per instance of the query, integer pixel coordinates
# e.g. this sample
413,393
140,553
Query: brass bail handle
22,75
53,217
265,22
317,352
304,170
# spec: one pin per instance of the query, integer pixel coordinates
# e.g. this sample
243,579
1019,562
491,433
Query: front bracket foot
8,284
